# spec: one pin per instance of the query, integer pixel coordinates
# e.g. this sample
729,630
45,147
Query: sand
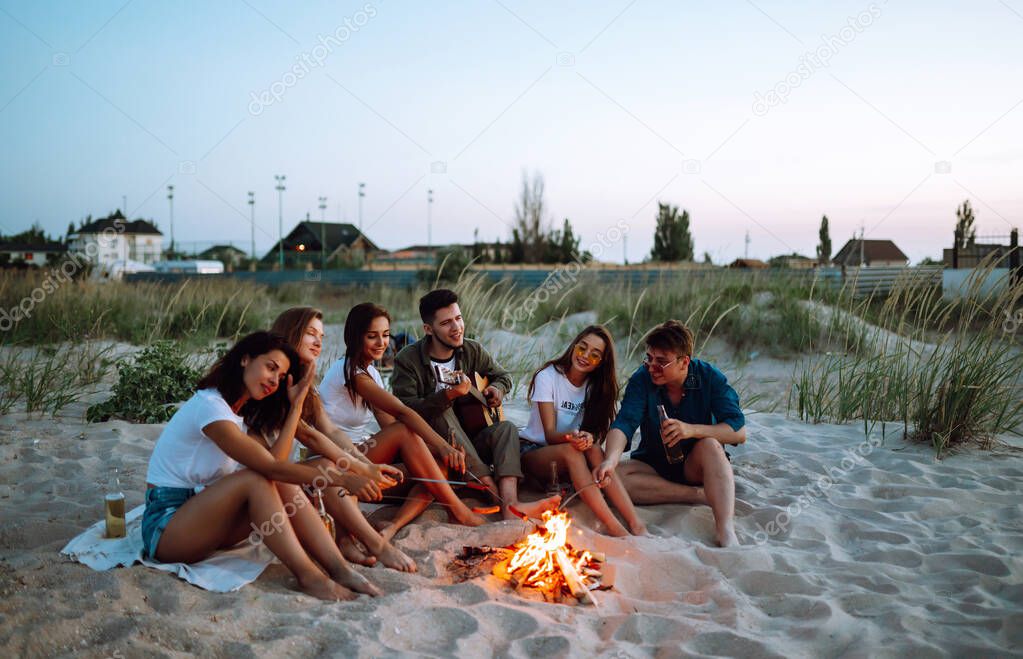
853,546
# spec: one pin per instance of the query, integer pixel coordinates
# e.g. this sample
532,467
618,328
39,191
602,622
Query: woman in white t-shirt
210,485
352,394
572,401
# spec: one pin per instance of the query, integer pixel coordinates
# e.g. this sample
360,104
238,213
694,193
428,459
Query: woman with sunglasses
572,403
681,456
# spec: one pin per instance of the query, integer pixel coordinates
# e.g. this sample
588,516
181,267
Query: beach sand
853,546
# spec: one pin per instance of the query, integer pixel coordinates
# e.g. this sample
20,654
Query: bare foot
616,530
467,518
537,508
324,589
349,578
351,551
637,527
396,559
726,535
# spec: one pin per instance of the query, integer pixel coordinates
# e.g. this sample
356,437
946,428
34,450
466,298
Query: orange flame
539,553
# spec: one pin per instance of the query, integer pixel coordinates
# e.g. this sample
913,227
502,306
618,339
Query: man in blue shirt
703,415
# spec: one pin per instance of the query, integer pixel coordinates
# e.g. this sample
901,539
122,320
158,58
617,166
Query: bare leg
646,487
396,440
572,461
616,494
508,488
314,537
198,528
707,464
419,499
346,513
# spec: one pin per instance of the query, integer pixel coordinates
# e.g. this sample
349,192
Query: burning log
572,578
546,562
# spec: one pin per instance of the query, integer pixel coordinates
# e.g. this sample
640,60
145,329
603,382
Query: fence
878,281
863,281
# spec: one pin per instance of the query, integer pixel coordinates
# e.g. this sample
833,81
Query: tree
672,240
824,246
531,225
707,259
966,233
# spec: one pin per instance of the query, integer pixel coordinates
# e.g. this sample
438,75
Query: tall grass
48,379
946,369
194,309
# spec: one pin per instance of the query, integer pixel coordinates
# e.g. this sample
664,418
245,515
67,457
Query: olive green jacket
415,384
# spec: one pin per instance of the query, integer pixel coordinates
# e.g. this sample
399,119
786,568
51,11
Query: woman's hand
604,471
362,487
385,476
580,440
454,458
298,390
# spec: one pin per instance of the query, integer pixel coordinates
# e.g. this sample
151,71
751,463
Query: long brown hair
291,324
356,325
602,393
267,415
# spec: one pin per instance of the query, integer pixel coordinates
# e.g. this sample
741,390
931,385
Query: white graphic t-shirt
553,387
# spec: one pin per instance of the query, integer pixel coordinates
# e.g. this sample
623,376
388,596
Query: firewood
572,579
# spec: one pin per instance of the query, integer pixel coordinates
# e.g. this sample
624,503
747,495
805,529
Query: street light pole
170,200
323,233
280,219
362,193
429,219
252,217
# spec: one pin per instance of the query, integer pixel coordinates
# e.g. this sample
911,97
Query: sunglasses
593,357
658,364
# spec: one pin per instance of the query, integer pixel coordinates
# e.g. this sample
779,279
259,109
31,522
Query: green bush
147,387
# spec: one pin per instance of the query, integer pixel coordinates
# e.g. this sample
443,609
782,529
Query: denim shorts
161,504
525,446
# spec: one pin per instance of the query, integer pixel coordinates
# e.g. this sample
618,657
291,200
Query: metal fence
863,281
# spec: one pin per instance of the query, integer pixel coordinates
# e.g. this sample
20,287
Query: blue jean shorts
161,504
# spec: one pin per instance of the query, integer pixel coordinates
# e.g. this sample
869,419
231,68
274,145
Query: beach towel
223,572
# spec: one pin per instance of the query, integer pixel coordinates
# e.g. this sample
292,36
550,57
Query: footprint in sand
729,645
647,629
434,630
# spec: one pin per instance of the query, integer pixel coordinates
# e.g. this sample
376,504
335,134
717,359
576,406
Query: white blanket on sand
223,572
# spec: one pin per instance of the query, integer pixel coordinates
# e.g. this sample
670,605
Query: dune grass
947,370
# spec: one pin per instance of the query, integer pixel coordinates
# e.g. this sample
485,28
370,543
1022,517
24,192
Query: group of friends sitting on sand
227,465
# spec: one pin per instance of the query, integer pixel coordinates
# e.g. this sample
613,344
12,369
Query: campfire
544,562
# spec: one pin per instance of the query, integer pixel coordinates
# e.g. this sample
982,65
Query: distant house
34,255
229,255
426,255
114,238
309,241
792,262
748,264
875,253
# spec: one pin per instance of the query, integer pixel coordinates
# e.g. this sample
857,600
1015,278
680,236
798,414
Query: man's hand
603,472
460,389
493,396
674,431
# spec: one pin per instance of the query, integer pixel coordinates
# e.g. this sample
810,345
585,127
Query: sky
756,117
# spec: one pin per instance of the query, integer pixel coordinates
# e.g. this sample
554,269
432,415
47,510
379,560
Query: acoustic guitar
472,409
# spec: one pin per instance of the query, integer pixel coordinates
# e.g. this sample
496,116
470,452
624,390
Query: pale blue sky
607,100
